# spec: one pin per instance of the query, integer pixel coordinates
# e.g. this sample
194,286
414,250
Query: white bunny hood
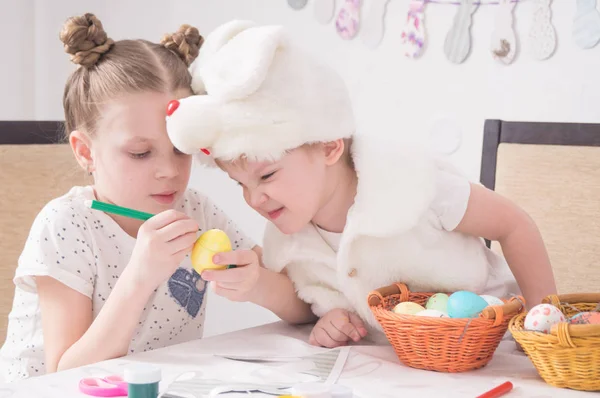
257,95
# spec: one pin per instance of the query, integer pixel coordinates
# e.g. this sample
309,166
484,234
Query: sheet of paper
267,374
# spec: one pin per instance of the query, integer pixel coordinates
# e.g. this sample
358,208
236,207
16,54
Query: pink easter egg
542,317
585,318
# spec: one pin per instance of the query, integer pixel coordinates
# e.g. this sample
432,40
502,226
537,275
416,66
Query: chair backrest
34,168
552,170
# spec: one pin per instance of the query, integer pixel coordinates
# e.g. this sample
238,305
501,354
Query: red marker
498,391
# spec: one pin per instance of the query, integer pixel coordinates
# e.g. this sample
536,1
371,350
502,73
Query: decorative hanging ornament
586,25
412,39
297,4
373,25
458,41
445,135
324,10
542,36
348,19
504,39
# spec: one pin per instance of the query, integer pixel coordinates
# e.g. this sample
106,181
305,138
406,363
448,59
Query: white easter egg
433,313
492,300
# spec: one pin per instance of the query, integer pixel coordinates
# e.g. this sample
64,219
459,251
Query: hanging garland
457,45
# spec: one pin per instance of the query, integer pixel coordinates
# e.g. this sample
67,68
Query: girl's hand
162,243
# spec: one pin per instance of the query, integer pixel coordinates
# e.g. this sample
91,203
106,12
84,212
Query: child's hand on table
236,284
336,328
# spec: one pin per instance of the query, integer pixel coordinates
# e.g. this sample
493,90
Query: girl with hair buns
91,286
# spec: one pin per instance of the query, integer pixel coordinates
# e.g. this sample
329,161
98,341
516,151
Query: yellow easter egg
207,245
408,308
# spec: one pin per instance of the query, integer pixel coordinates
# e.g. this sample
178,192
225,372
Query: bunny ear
241,65
221,36
213,43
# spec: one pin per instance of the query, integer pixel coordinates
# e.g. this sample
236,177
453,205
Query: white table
372,371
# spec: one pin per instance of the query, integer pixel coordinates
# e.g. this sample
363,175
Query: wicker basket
570,355
440,344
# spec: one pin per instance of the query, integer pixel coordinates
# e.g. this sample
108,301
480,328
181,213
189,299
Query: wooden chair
552,170
34,168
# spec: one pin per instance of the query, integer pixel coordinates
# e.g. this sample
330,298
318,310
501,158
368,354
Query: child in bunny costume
347,213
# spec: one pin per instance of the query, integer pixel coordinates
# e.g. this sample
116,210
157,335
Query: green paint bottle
142,381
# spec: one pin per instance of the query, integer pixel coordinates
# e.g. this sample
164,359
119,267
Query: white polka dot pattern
87,251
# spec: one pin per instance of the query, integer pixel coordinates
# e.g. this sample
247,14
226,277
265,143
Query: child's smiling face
290,191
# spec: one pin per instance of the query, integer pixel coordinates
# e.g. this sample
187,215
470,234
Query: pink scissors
110,386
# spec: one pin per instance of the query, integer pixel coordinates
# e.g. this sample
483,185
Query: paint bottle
142,380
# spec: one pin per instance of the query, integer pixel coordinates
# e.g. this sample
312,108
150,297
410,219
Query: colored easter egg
492,300
408,308
585,318
464,304
432,313
542,317
207,245
438,301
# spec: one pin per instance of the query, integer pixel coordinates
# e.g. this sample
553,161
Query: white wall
16,61
400,96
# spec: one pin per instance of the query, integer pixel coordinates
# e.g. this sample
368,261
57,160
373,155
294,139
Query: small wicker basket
440,344
570,355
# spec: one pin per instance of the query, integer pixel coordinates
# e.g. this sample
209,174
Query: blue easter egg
464,304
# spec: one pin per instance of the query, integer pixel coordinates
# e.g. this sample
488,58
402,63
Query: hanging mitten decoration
324,10
297,4
373,24
348,19
412,38
504,39
458,41
445,135
586,25
542,36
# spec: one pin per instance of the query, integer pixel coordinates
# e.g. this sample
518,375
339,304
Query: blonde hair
108,69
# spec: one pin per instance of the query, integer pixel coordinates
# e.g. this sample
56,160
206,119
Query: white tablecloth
372,371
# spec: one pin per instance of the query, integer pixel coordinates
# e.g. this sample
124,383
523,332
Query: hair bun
186,43
85,39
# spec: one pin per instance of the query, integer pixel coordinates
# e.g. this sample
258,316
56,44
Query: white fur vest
391,235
